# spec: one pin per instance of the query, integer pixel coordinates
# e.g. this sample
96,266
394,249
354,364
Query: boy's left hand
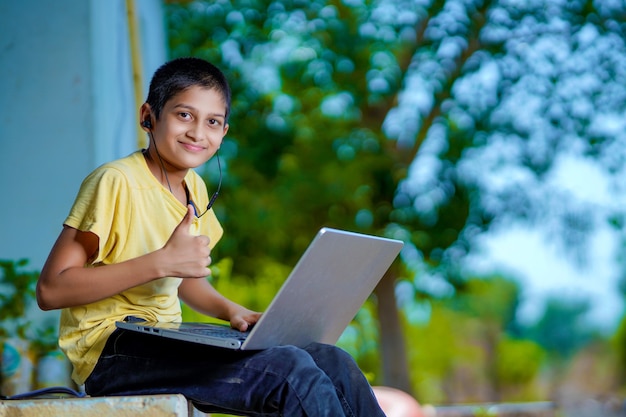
243,319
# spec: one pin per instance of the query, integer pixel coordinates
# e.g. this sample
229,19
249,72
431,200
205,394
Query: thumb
187,221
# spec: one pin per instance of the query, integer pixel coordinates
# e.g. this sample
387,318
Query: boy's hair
181,73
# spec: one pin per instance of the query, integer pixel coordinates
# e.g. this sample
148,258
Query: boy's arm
200,295
65,281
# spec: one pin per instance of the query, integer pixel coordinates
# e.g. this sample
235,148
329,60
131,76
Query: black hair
181,73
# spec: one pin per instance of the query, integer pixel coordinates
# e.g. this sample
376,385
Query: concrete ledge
135,406
537,409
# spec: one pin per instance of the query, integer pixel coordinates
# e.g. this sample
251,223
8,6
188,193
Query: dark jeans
319,380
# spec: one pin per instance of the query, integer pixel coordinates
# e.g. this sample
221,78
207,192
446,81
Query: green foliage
439,349
619,347
518,363
456,344
19,315
17,294
361,340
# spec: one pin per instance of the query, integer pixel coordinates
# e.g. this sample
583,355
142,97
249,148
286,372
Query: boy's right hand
186,255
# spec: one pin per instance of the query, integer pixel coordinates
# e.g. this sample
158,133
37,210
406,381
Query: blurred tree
468,347
442,345
423,120
517,367
562,328
494,301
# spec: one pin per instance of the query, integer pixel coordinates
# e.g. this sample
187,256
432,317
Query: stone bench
132,406
178,406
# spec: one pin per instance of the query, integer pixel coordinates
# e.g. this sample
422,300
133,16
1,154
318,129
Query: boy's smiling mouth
192,147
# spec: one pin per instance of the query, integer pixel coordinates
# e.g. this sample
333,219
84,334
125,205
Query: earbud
147,124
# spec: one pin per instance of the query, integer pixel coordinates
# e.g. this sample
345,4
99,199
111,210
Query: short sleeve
101,207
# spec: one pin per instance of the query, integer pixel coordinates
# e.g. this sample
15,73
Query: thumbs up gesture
186,255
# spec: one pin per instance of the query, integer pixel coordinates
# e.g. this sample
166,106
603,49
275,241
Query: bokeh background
487,135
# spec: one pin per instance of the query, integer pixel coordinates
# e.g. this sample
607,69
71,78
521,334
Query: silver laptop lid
325,290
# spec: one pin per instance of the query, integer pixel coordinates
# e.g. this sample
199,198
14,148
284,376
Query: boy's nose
196,132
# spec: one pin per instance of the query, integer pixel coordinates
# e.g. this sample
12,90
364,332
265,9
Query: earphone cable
219,184
161,161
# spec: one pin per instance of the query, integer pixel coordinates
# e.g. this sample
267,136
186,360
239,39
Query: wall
66,106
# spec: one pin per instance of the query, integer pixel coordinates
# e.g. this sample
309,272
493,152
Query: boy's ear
145,117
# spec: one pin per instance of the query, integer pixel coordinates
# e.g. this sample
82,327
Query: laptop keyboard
217,331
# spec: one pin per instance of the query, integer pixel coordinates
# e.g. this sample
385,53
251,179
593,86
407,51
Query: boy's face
191,127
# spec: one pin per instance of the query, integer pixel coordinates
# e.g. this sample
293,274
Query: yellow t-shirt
132,214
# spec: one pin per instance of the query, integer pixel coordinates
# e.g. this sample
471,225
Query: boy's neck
174,181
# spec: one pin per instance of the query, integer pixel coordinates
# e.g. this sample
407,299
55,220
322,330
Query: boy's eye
184,115
214,122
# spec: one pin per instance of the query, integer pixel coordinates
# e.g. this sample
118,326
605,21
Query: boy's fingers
240,324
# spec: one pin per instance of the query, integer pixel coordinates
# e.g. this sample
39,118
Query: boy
137,239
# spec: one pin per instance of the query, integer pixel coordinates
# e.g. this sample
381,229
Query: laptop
321,296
